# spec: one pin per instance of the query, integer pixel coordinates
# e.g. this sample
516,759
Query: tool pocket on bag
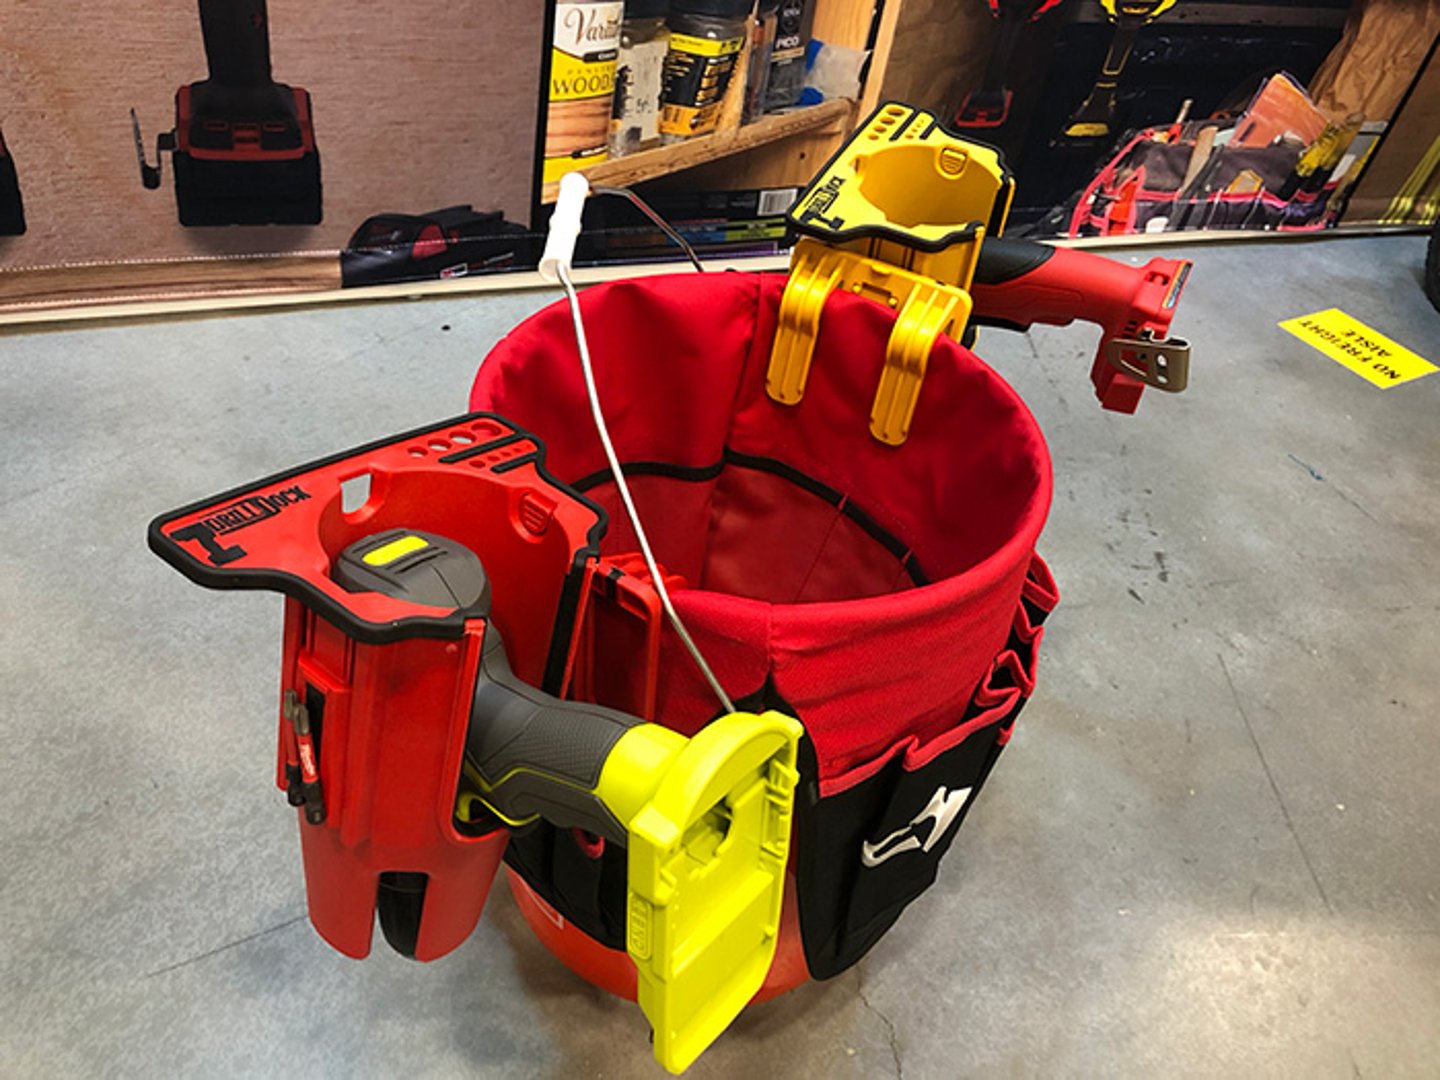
583,881
870,841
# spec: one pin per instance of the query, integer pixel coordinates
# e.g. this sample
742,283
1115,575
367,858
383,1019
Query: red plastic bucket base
611,969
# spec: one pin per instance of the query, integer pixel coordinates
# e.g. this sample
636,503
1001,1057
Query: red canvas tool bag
888,596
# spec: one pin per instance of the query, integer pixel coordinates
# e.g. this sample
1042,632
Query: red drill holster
376,691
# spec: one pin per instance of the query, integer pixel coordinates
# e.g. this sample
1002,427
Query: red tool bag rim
716,331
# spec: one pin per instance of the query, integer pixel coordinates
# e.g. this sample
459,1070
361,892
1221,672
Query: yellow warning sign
1368,353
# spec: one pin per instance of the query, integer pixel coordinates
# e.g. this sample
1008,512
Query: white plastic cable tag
564,226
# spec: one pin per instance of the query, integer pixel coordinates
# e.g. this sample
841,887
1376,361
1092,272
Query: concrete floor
1213,848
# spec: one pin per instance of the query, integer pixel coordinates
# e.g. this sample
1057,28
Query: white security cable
655,219
555,266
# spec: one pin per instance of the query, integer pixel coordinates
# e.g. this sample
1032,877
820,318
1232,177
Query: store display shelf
28,293
649,164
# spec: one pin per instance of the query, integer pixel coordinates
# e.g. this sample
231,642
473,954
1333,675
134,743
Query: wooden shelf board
204,287
62,288
648,164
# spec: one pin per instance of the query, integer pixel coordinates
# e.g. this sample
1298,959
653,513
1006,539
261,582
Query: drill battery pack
243,145
246,168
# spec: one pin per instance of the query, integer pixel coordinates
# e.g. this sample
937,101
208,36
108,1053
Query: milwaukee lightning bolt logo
941,811
238,515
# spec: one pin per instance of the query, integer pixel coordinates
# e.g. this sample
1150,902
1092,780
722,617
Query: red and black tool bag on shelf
1142,189
889,597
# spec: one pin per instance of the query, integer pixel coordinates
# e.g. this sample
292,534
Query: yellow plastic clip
707,858
897,215
928,311
816,271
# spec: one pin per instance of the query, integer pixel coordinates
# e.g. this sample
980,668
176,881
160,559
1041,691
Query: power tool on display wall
989,106
12,207
1095,118
243,145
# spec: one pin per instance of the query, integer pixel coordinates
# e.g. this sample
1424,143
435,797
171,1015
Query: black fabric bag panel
1164,164
864,854
1273,164
1306,208
860,854
1249,212
587,890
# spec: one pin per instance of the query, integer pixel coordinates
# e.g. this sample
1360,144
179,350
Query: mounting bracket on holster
898,216
910,216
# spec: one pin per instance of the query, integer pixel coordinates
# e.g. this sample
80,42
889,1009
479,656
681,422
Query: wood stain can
583,52
706,38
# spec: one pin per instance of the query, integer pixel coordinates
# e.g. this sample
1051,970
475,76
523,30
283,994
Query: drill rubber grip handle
539,755
237,42
1004,260
1019,283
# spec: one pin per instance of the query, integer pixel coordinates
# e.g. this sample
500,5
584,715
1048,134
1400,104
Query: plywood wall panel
1401,182
938,52
417,105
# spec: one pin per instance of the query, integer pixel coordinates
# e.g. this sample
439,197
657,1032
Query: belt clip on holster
898,216
243,145
434,582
